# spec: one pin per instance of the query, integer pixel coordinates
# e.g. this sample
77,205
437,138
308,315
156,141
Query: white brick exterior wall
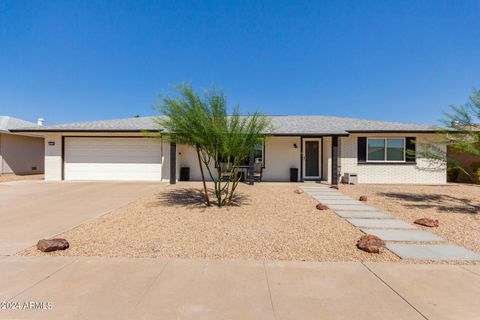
424,172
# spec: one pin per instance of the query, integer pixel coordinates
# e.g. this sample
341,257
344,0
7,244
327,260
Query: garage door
113,159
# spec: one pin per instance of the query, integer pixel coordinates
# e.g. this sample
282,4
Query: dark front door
312,168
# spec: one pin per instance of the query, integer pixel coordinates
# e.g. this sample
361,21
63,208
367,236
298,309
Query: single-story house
20,153
321,148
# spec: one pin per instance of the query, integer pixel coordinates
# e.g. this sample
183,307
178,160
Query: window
386,149
257,154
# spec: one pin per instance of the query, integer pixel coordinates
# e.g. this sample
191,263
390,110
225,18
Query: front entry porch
318,156
312,156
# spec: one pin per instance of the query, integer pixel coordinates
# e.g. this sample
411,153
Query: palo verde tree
222,141
464,134
461,133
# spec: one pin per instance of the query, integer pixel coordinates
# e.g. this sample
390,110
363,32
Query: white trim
385,150
304,165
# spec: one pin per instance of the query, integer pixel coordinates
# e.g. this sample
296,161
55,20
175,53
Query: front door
312,159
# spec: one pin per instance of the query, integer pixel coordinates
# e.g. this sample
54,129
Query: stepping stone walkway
363,215
383,225
431,252
380,223
404,235
338,201
350,207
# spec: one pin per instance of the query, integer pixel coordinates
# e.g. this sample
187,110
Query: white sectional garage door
112,159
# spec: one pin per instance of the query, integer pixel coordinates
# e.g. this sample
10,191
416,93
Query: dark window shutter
362,149
410,149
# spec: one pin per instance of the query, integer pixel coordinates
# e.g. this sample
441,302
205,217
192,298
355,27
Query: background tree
222,141
461,133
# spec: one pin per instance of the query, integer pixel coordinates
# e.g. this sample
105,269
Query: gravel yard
456,206
13,177
270,222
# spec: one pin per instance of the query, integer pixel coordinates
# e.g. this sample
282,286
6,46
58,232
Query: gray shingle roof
8,123
283,125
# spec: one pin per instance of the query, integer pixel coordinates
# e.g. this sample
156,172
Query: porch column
173,163
334,160
251,169
301,160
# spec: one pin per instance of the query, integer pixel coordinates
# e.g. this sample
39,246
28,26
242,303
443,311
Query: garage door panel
113,159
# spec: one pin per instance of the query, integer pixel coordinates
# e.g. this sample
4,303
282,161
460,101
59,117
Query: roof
10,123
282,125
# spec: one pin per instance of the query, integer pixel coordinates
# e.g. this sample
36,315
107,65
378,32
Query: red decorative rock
432,223
363,198
321,207
47,245
298,191
371,244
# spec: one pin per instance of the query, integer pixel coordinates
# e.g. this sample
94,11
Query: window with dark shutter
411,149
362,149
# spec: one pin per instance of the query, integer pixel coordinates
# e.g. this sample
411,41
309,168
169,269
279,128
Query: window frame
263,158
386,149
263,155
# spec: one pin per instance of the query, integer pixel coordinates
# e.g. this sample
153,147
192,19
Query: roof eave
84,130
392,131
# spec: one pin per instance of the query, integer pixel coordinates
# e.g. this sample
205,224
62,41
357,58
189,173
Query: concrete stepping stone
432,252
324,192
403,235
363,215
350,207
325,195
381,223
338,201
331,197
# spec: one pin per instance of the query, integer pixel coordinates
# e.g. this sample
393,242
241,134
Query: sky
395,60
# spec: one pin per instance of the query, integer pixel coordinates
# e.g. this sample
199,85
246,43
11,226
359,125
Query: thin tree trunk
203,178
235,184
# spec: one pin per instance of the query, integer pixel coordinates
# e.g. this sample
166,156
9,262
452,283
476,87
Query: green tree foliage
460,132
463,126
222,141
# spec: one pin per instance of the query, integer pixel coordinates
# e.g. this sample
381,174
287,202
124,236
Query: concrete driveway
31,210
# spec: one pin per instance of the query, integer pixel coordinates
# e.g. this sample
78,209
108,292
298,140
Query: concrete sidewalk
121,288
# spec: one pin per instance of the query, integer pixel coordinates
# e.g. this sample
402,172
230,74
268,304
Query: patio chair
257,172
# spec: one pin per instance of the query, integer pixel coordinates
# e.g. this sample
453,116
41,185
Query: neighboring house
321,148
20,153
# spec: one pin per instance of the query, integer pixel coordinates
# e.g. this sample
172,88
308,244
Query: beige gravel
271,222
456,206
13,177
